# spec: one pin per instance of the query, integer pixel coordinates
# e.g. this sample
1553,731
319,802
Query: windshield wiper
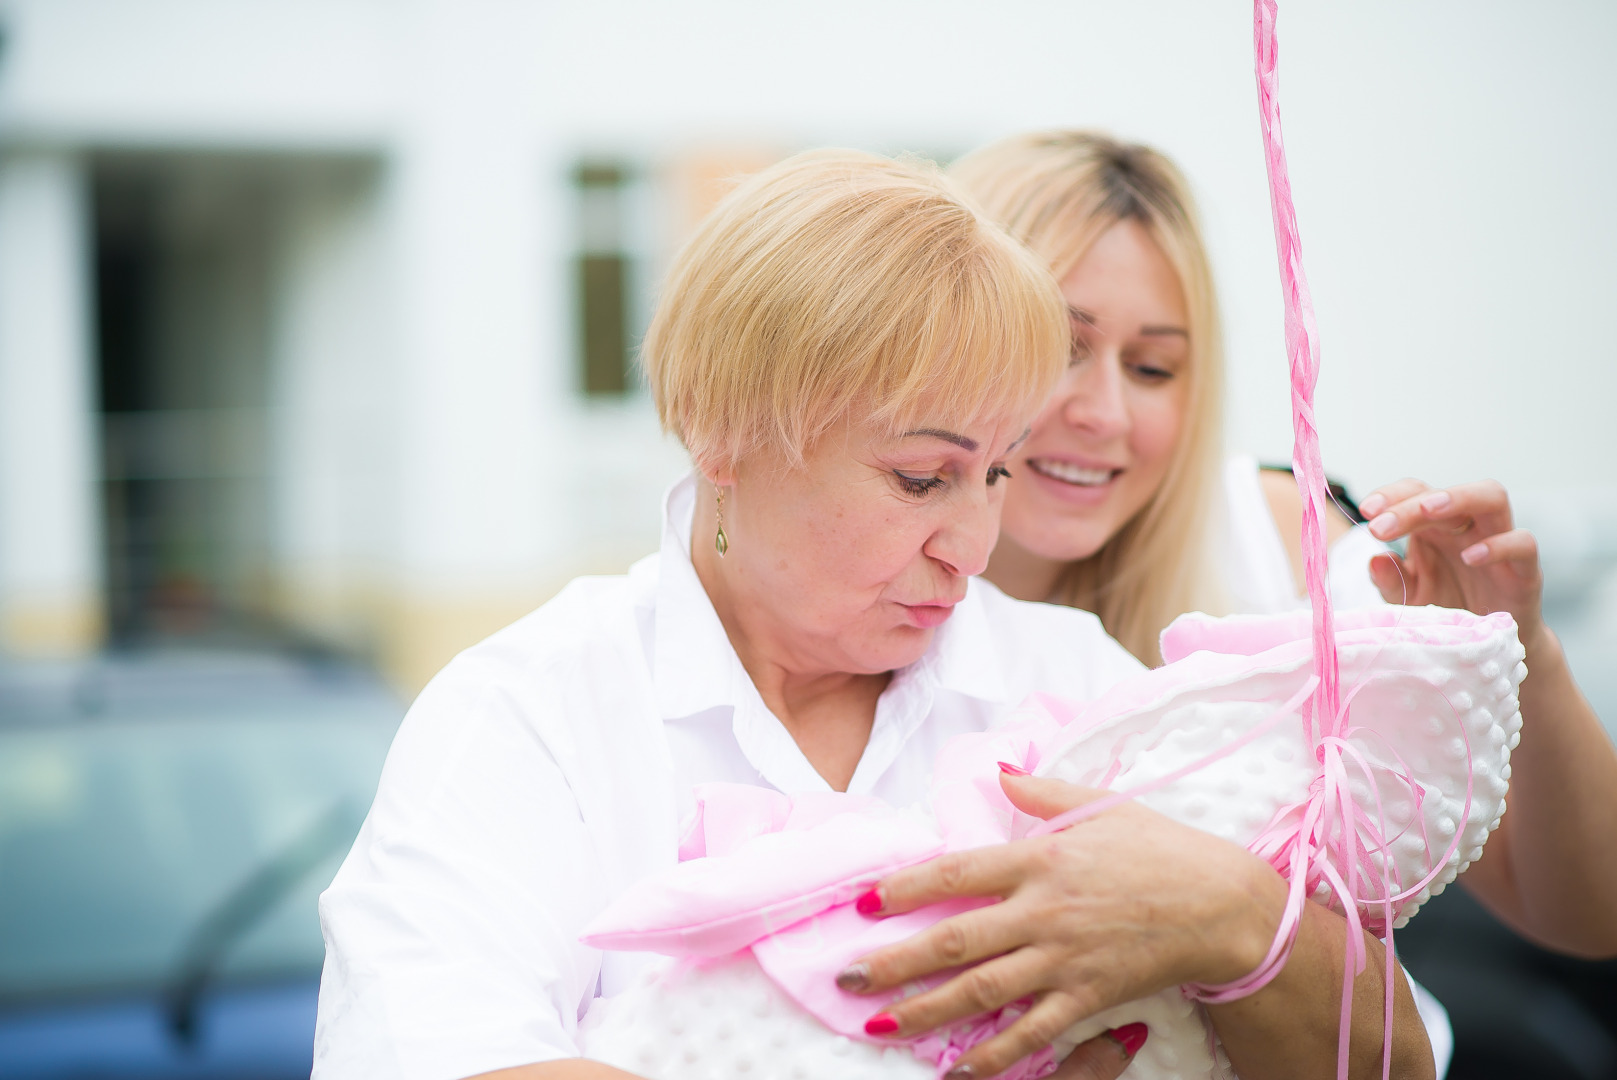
245,905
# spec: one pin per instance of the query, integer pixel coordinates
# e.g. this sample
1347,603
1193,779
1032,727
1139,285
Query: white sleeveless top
1257,570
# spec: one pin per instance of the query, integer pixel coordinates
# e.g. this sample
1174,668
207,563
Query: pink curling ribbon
1328,842
1329,839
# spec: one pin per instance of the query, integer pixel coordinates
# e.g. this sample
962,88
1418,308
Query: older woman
851,354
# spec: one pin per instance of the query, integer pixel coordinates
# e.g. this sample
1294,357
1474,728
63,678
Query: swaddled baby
759,918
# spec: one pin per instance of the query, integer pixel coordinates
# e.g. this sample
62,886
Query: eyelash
923,485
918,485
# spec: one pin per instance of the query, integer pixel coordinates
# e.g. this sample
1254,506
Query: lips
926,616
1069,472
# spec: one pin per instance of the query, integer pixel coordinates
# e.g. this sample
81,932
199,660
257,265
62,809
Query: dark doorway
184,268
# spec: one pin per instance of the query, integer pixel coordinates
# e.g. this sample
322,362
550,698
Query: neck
828,713
1020,573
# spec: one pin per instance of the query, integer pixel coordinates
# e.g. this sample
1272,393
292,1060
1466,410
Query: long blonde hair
1058,192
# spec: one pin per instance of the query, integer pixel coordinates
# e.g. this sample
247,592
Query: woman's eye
1080,352
1152,373
918,485
998,473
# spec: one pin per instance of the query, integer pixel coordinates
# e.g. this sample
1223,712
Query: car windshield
122,835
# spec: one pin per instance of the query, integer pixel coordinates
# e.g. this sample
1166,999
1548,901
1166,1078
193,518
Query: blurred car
166,824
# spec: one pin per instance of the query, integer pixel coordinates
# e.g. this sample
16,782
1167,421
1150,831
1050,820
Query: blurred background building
317,317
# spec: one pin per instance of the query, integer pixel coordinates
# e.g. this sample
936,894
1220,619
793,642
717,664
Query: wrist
1539,641
1258,906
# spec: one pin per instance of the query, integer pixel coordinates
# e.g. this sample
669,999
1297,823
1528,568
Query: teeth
1070,473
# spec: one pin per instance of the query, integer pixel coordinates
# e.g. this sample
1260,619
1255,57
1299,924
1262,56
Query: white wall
49,560
1451,160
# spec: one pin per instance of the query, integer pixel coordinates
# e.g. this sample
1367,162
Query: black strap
1344,502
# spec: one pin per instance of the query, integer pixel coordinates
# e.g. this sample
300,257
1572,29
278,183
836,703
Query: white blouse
1257,570
544,770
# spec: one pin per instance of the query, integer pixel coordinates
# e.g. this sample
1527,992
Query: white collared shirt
544,770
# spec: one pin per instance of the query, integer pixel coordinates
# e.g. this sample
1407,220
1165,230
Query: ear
719,473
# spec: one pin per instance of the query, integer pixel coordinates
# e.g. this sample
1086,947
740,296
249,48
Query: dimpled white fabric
1433,705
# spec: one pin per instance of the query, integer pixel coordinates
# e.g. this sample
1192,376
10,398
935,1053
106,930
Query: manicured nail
854,977
1130,1037
1384,525
881,1024
869,903
1435,502
1373,505
1012,770
1474,554
961,1072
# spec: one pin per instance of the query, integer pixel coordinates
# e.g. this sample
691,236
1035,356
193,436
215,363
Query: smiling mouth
1068,473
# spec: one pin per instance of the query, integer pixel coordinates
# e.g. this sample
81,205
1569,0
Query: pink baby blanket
1220,738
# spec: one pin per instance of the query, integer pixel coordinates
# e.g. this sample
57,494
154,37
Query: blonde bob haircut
1058,192
839,285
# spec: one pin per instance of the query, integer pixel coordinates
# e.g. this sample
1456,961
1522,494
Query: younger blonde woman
1123,504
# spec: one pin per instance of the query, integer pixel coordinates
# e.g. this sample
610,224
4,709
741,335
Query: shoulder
1051,647
589,616
569,674
1285,504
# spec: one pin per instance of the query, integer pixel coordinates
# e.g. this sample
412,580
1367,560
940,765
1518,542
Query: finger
1390,494
1486,502
1392,577
1033,1031
1482,507
1043,797
1105,1056
1516,546
978,990
987,871
950,943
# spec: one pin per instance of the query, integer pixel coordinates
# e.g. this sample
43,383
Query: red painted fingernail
869,903
885,1024
1013,770
1130,1037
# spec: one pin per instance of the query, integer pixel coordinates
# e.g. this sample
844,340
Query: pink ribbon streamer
1328,839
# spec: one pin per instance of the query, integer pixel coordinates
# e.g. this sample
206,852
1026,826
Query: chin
896,648
1051,537
1062,545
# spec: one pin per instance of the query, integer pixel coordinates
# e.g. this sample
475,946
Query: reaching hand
1464,551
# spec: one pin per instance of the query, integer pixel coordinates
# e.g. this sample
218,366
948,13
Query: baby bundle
759,917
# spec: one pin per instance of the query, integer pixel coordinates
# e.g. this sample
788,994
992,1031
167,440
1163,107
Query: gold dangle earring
721,543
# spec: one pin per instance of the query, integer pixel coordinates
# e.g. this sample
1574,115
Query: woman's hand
1536,872
1112,909
1464,551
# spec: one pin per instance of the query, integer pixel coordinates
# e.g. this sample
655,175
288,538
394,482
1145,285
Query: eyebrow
1145,331
968,445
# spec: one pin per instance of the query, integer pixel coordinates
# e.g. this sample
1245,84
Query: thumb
1393,577
1044,798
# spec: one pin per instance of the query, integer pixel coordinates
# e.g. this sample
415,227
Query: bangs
841,286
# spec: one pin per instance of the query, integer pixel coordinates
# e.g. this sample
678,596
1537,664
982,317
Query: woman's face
850,563
1102,444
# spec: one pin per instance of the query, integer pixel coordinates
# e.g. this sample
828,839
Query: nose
963,542
1094,400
